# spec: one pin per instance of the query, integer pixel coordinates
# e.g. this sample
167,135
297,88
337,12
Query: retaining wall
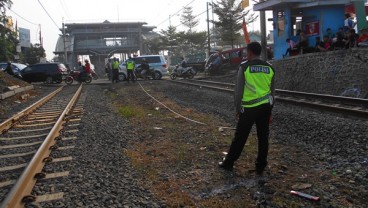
340,72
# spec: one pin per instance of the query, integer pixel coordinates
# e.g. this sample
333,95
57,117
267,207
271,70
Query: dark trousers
130,75
115,75
259,115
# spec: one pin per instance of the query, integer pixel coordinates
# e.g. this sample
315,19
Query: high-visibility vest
115,65
257,86
130,65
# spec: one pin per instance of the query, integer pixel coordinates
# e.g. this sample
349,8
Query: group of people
346,37
112,69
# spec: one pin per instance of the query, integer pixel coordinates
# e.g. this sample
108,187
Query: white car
157,62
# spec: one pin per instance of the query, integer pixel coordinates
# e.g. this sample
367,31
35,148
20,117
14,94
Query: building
311,16
101,41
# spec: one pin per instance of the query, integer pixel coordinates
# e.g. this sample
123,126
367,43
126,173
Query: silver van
157,62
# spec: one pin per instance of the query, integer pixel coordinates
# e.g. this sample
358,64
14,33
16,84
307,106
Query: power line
48,14
167,19
23,17
65,8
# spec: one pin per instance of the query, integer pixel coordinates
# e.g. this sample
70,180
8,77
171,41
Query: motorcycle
187,72
74,75
151,73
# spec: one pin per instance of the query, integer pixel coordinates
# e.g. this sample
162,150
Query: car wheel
48,80
58,81
122,77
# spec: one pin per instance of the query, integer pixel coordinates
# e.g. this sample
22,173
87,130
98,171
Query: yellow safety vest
115,65
130,65
257,86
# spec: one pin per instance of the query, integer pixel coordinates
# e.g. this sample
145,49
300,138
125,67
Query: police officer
130,66
253,102
115,71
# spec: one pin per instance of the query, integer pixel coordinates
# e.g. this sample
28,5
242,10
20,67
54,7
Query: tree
8,38
33,54
230,15
187,18
169,39
3,5
154,45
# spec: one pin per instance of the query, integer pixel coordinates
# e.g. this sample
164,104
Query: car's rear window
150,59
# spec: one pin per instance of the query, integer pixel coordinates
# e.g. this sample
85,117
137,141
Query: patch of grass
131,111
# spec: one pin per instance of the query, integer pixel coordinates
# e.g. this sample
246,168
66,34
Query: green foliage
154,45
3,5
229,22
130,111
33,54
8,42
187,18
8,38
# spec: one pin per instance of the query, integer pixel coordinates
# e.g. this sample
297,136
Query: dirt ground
177,158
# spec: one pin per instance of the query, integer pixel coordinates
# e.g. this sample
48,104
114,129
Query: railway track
27,141
356,107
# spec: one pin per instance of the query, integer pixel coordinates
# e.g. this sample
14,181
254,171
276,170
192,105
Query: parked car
45,72
17,68
157,62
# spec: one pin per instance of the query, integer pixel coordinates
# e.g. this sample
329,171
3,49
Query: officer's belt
251,102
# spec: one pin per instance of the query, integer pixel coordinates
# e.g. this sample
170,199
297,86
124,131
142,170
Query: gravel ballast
101,175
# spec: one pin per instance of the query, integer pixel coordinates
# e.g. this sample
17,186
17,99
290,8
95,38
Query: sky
31,14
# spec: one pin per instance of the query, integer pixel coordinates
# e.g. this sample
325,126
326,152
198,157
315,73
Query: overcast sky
30,14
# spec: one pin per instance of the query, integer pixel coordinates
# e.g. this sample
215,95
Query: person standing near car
108,68
115,71
9,69
145,68
130,66
254,99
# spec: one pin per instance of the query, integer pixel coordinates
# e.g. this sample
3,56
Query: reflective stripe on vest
257,86
130,65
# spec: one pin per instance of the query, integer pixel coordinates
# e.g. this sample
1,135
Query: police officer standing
253,102
115,71
130,66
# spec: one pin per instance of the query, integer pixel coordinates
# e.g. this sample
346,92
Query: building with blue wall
311,16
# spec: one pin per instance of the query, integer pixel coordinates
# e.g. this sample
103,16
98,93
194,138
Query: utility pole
208,32
213,26
64,38
263,33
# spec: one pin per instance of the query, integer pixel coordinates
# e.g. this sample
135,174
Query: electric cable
167,19
48,15
23,17
186,118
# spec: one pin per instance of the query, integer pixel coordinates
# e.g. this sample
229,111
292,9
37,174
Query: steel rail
332,98
337,109
4,126
27,180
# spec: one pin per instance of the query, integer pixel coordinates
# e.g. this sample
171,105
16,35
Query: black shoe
225,166
259,172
